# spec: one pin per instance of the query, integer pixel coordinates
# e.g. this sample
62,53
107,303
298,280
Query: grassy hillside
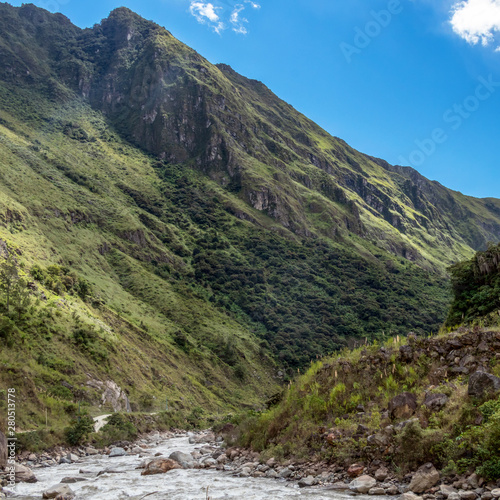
66,210
144,231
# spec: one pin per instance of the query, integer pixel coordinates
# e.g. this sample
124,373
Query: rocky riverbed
177,465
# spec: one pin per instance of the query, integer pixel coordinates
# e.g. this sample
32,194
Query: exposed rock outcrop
112,394
403,405
482,384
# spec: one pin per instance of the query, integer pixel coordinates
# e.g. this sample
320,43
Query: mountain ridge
225,147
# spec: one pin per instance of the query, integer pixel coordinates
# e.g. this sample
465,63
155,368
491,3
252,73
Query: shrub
490,469
79,429
62,279
489,409
118,428
415,445
196,416
146,402
83,336
61,392
37,441
239,371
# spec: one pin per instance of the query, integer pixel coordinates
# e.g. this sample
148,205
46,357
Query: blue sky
412,81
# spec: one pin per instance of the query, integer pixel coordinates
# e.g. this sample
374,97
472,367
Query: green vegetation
476,288
117,428
79,429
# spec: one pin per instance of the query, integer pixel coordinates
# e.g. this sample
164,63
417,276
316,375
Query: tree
21,297
13,287
9,278
79,429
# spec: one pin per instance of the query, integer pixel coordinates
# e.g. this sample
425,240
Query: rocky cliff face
170,101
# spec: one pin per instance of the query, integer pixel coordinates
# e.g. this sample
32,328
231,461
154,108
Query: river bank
180,463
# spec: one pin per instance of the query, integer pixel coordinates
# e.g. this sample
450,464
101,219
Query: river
181,484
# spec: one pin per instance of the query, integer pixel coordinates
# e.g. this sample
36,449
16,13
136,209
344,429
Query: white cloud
235,15
212,15
477,21
253,4
239,22
206,13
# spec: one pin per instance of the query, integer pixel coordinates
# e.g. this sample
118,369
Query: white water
181,484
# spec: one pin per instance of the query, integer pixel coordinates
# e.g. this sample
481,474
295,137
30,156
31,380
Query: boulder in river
117,452
160,466
376,491
107,471
305,482
58,490
24,474
72,480
185,459
424,479
362,484
410,496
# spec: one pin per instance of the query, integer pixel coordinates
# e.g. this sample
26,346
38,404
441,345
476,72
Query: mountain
226,238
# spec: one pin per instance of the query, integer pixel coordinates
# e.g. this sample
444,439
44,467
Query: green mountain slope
224,234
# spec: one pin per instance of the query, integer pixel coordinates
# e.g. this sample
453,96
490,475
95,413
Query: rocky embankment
375,479
428,388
